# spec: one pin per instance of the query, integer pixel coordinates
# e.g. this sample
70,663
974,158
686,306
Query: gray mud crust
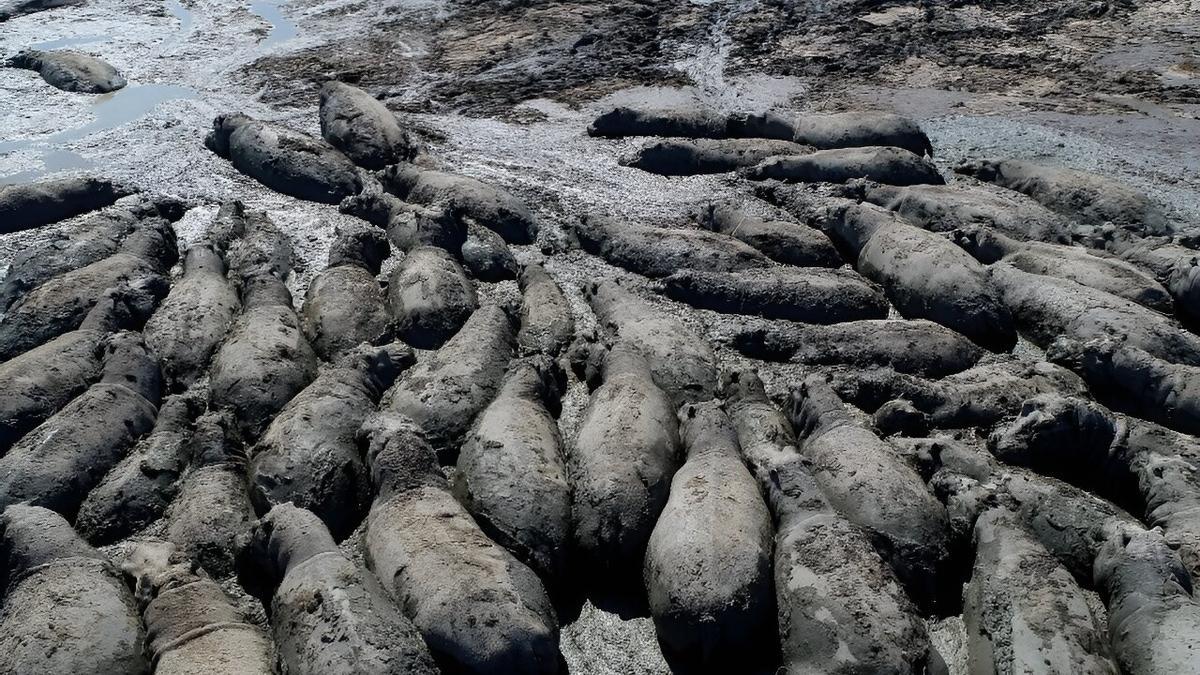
496,133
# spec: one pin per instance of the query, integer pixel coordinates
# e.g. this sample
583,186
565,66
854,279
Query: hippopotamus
284,160
70,70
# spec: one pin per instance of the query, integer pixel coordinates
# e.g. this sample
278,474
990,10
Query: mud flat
504,96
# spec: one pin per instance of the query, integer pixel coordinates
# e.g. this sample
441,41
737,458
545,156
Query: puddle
282,28
110,111
180,12
52,161
71,41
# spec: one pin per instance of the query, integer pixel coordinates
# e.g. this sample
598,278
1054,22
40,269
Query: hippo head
215,441
1094,357
359,244
665,157
380,366
330,89
758,343
398,454
706,214
613,122
1055,432
986,170
400,178
902,418
224,125
30,59
542,376
281,540
156,566
812,403
374,207
976,240
586,355
129,363
1131,559
742,385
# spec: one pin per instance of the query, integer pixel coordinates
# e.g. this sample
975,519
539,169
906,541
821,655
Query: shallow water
113,110
282,28
180,12
121,108
109,111
71,41
52,160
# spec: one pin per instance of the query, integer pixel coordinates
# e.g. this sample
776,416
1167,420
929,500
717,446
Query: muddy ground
503,91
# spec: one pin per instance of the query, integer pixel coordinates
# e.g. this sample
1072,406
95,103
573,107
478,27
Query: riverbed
189,60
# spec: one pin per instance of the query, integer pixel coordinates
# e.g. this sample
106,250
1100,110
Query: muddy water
73,41
113,111
53,161
109,111
282,28
706,65
180,12
550,163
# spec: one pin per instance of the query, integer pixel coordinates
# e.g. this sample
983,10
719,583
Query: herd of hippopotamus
253,438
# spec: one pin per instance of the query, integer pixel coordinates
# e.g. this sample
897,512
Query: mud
504,93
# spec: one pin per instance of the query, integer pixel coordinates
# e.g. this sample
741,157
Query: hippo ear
1066,352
